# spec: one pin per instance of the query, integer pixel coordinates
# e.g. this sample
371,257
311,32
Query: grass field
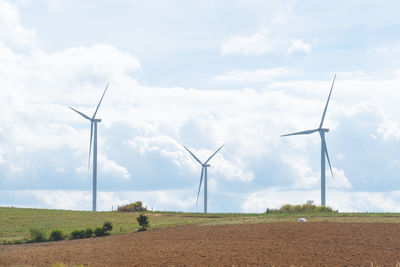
15,223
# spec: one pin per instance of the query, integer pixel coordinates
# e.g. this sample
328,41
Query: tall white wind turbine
93,137
324,149
204,167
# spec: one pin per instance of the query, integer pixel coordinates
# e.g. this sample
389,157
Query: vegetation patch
89,232
133,207
304,208
37,235
57,235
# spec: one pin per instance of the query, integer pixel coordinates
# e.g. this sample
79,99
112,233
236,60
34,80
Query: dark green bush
77,234
137,206
107,226
37,235
88,232
99,231
143,221
57,235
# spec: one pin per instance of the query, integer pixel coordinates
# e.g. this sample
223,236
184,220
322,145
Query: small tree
143,221
107,226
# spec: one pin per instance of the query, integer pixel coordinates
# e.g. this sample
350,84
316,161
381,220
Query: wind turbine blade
192,155
327,102
326,152
90,145
303,132
80,113
97,108
214,154
201,179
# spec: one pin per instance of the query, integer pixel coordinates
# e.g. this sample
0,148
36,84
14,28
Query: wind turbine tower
204,167
93,137
324,149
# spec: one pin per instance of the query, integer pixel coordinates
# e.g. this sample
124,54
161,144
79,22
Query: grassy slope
16,222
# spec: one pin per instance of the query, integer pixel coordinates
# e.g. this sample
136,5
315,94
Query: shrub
137,206
78,234
143,221
88,232
107,226
57,235
37,235
99,231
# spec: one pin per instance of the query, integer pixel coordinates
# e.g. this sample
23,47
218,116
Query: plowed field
307,244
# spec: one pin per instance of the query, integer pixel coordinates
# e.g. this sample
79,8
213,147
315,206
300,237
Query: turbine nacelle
325,130
205,165
95,120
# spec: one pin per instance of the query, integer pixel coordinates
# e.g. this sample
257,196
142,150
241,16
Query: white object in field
302,220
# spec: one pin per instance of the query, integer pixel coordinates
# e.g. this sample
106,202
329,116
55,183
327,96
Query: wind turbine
93,136
204,167
324,149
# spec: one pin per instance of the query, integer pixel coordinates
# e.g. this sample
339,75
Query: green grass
16,222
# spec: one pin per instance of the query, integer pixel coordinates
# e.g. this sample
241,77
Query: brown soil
279,244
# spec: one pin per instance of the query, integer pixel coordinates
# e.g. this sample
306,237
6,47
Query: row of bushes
38,235
308,207
89,232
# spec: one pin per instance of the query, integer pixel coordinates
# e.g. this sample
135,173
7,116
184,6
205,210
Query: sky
201,73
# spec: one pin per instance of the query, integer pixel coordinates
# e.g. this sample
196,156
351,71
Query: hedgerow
308,207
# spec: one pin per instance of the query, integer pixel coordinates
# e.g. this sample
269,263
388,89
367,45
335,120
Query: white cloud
388,129
59,199
262,75
305,176
56,5
110,167
106,167
258,43
338,181
263,42
12,33
164,145
297,45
